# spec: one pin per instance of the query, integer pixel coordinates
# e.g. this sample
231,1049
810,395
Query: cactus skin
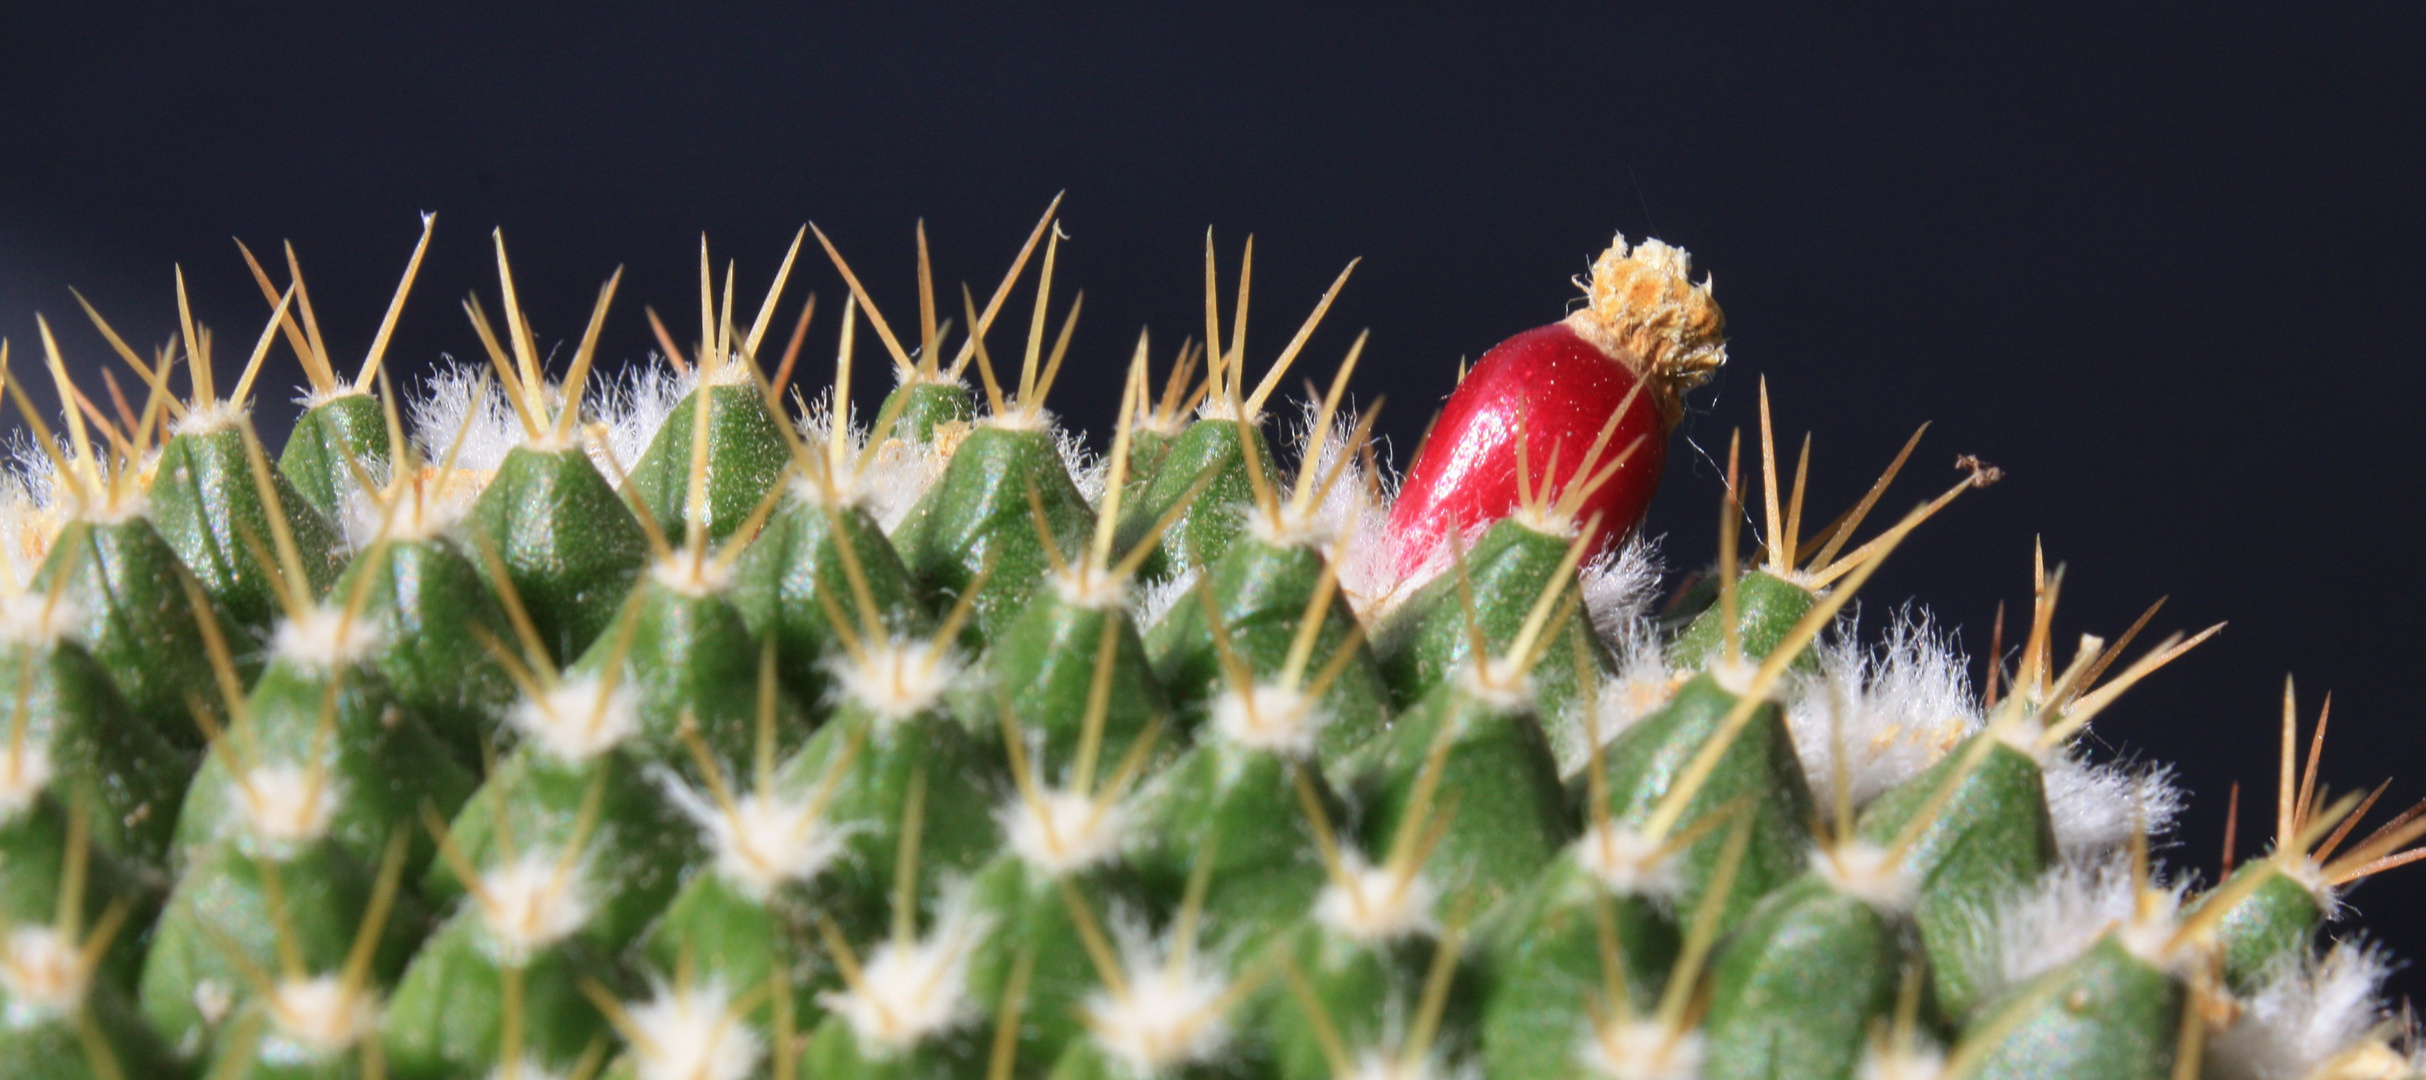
1431,869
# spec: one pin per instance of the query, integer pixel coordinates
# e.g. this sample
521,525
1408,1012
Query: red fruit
1647,336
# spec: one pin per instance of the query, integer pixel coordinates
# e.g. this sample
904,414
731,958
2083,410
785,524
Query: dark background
2159,262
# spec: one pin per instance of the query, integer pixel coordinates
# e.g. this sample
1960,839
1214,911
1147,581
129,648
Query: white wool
39,619
633,404
1619,586
1887,1061
2309,1011
43,973
910,993
210,416
1640,1050
315,1019
530,904
1085,469
2049,924
1896,707
326,639
1629,863
888,485
766,840
1863,871
30,513
1148,605
2096,807
1277,718
1643,684
579,719
1373,903
25,770
1377,1064
898,679
444,404
1496,681
692,1033
1062,831
1350,507
285,804
1171,1015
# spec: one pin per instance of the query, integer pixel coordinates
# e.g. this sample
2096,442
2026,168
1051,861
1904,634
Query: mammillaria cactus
662,727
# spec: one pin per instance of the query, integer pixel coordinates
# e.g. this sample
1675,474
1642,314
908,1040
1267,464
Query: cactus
658,728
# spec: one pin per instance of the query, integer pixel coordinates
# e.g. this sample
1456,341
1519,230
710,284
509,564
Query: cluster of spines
393,770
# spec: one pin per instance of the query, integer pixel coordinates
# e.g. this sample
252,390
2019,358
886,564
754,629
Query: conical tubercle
1063,829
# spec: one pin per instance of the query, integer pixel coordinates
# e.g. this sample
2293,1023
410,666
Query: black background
2160,262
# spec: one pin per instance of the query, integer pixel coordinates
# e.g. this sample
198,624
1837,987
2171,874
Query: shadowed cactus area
679,728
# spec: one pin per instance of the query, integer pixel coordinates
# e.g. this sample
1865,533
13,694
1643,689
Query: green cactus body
1508,815
836,1051
2277,919
1205,531
446,1019
1367,989
1991,837
204,503
431,607
633,858
746,454
691,661
1149,447
1262,592
1767,606
1541,955
1230,812
2106,1015
794,561
963,781
221,919
125,583
1645,759
130,777
570,547
1027,916
33,848
1510,567
1045,662
977,513
44,1046
314,460
1798,987
379,767
926,405
719,930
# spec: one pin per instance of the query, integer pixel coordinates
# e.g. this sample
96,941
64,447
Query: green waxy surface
964,782
631,862
2276,920
381,766
720,931
1767,607
926,406
1991,837
2106,1015
204,503
691,661
1261,592
446,1019
1369,990
1028,915
431,606
570,546
1204,531
834,1051
50,1047
1507,813
1796,989
130,777
314,460
1428,637
796,560
124,584
33,874
746,454
1148,449
222,907
978,511
1233,813
1759,766
1543,977
1044,663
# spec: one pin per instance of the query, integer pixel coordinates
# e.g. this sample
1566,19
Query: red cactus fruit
1612,374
